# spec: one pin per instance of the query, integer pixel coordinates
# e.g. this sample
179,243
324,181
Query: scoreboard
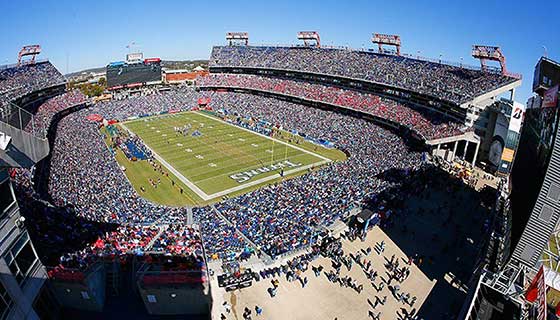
123,74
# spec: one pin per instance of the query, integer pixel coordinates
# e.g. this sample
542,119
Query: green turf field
223,160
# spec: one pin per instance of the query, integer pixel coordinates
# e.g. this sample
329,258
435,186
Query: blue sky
81,34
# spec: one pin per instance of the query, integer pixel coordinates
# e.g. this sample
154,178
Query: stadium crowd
93,198
277,218
429,126
452,83
46,111
19,81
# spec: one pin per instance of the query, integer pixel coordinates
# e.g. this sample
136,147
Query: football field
214,158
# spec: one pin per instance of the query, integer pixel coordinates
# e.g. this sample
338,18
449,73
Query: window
5,302
21,259
6,196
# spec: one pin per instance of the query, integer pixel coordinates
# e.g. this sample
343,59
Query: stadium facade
522,262
23,144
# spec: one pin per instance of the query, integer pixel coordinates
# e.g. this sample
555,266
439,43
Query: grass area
139,173
220,158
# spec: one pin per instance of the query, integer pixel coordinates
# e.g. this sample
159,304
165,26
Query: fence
23,120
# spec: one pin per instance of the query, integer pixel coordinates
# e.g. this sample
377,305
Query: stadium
305,181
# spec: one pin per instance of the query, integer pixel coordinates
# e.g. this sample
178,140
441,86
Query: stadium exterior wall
544,216
19,293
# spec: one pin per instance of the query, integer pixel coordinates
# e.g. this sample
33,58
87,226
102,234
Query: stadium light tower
387,39
310,38
237,38
30,50
484,53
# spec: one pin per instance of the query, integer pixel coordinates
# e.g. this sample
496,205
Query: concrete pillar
455,149
465,150
475,154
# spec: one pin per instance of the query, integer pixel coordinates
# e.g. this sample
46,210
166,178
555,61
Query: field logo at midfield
247,175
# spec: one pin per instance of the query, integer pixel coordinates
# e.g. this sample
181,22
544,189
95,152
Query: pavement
322,299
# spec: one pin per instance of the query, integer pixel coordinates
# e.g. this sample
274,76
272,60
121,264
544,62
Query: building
179,76
520,265
23,294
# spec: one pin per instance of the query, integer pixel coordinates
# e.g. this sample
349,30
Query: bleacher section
425,123
452,83
18,81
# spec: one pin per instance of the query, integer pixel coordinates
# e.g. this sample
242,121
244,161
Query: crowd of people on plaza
430,125
453,83
378,278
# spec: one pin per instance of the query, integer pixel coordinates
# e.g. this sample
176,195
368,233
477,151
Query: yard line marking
179,176
267,137
204,196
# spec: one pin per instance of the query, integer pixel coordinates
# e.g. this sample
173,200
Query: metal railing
20,119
